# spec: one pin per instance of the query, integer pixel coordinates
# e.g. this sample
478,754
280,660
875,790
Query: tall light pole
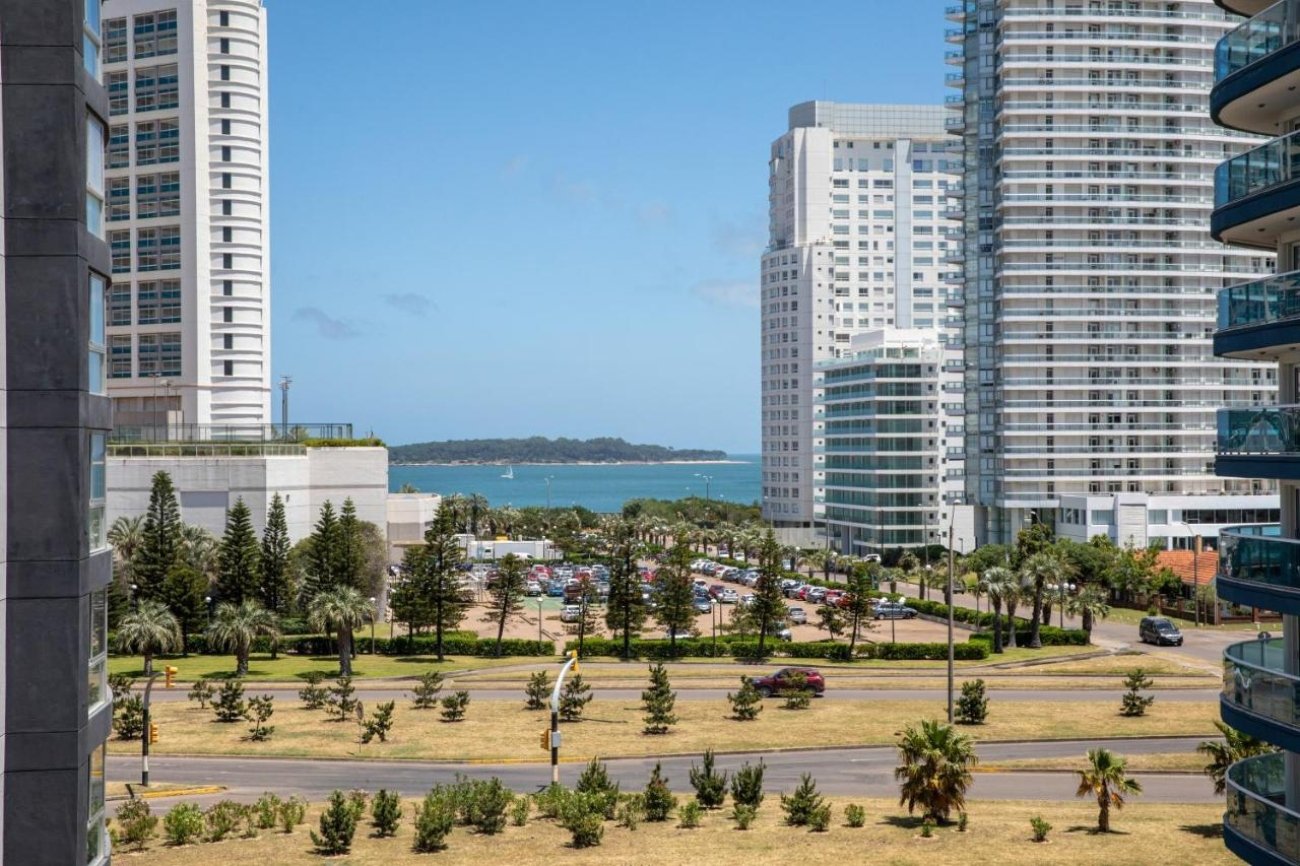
285,382
707,480
951,514
374,612
539,621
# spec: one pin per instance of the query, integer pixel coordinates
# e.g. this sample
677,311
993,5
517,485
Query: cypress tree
238,569
160,543
274,589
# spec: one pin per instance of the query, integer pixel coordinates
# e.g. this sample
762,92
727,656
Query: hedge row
1049,634
747,648
456,645
198,644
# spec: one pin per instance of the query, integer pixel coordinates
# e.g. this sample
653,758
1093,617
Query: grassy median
290,668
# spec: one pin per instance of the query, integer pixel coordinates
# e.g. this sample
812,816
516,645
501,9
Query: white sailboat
509,473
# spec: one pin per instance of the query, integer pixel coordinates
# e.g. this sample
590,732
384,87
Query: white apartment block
1090,275
857,241
189,313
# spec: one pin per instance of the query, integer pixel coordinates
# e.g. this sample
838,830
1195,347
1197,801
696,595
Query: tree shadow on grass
1205,831
903,822
1091,830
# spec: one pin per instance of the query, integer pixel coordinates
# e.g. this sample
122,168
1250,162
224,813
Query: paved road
861,771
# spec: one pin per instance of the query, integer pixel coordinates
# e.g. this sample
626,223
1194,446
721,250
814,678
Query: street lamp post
951,514
374,612
207,603
715,615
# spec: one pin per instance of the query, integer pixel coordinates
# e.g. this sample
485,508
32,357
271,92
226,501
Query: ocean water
602,488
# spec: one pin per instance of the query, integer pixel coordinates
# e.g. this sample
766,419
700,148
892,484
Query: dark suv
775,683
1158,630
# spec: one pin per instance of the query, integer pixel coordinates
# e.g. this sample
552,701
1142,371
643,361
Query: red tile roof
1181,563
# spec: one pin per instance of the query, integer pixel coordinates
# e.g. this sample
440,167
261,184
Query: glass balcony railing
1260,302
1259,430
1269,31
1254,681
1256,170
1256,792
1258,557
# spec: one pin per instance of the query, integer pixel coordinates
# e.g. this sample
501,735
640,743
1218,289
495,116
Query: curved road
862,771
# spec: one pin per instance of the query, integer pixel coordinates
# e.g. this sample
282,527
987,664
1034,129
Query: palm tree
1236,746
1106,778
149,629
200,550
1013,592
1039,570
936,769
342,609
1091,604
814,559
126,535
236,626
996,582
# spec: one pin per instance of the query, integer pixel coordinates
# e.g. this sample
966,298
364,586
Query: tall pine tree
768,606
352,551
506,595
676,601
439,577
238,559
275,589
324,554
160,542
625,612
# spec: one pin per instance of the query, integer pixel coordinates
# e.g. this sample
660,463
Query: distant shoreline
574,463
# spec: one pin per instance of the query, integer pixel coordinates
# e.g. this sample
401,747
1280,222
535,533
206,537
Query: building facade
189,315
857,241
1090,278
1257,201
56,564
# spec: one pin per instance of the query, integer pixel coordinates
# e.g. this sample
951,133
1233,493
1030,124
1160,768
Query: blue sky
508,219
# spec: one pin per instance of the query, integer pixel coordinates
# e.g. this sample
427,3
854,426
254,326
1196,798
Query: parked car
1159,631
893,610
716,590
533,588
555,589
797,615
702,604
728,596
571,613
775,683
816,595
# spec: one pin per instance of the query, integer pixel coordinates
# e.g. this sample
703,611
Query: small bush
747,703
137,825
120,685
358,799
710,786
574,699
747,784
259,710
223,819
519,812
631,812
855,815
820,818
973,705
659,800
927,828
743,815
963,821
549,800
426,692
201,692
453,706
183,824
386,812
1133,703
434,819
538,691
379,723
338,824
657,702
229,705
314,696
796,694
1040,828
491,799
596,782
267,810
689,815
293,812
583,815
129,718
342,701
800,805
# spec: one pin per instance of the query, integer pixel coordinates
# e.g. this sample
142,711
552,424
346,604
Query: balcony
1256,67
1259,696
1259,442
214,440
1256,826
1244,7
1260,320
1257,194
1259,568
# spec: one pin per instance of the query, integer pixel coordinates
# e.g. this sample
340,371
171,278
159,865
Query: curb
1056,771
193,791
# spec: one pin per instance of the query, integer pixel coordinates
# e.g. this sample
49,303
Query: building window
225,72
227,234
115,40
119,244
119,305
146,250
90,31
170,355
119,92
227,260
171,248
158,195
95,528
119,146
224,45
227,341
157,88
223,19
169,141
226,207
225,100
155,34
228,314
225,180
119,356
229,367
96,849
225,153
225,126
95,176
158,302
227,287
98,286
119,199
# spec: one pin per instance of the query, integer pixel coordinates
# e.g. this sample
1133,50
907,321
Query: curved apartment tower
1257,202
1090,279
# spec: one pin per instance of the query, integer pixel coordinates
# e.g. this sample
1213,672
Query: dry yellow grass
503,730
998,834
1121,664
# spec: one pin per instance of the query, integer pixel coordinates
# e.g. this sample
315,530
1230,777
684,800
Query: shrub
574,699
820,818
747,784
689,815
293,812
596,782
538,691
433,820
583,815
358,800
223,818
201,692
249,817
183,824
120,685
426,692
800,805
379,724
1133,703
491,799
631,812
267,810
973,705
657,702
659,801
456,643
796,694
229,705
129,718
313,695
519,811
747,703
453,706
257,712
963,821
1040,828
855,815
927,828
743,815
342,702
386,812
338,823
138,826
710,786
549,799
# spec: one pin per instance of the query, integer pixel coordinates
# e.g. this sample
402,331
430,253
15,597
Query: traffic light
169,672
546,741
153,732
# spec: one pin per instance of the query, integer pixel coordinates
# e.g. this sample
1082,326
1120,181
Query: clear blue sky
510,218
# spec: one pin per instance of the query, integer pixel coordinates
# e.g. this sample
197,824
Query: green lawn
288,668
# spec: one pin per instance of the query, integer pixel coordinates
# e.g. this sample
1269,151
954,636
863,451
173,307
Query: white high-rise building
189,318
1090,275
858,240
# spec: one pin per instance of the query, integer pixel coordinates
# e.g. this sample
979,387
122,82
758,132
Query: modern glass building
1090,277
1256,206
